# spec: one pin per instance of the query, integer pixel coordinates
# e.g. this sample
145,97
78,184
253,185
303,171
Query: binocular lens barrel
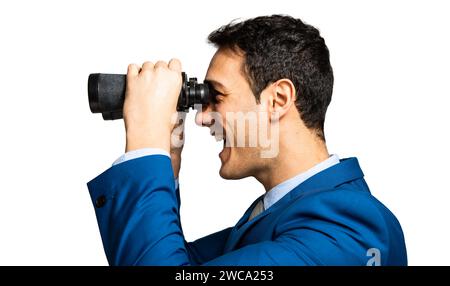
106,94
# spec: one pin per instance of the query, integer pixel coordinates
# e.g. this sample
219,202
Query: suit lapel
241,227
347,170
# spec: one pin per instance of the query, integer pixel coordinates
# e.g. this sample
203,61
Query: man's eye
215,96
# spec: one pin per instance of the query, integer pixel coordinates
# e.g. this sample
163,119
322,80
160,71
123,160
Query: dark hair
277,47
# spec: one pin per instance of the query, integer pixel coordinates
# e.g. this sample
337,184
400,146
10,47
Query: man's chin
223,172
227,172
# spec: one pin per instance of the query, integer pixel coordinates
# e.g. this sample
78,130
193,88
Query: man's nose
204,117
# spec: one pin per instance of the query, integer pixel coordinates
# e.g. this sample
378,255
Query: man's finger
160,64
147,66
175,65
133,70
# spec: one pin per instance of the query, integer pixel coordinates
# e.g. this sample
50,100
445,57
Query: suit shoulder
353,196
350,204
346,216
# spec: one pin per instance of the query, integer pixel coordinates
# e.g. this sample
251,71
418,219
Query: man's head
275,65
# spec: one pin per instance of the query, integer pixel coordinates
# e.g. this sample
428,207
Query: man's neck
296,155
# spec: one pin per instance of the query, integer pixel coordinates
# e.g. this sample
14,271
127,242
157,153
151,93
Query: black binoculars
106,94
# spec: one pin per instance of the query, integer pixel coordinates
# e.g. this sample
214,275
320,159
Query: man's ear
280,97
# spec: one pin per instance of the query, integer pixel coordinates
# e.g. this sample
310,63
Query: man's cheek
269,135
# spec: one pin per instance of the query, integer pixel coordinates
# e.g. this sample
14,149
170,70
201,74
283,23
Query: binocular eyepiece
106,94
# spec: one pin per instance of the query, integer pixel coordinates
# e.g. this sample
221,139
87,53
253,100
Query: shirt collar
280,190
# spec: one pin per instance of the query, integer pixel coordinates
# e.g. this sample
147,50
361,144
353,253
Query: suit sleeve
137,209
207,248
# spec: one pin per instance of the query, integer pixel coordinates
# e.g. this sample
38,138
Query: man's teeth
219,137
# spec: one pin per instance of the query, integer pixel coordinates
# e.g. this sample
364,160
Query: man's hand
177,142
150,101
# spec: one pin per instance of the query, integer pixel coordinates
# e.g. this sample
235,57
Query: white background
390,108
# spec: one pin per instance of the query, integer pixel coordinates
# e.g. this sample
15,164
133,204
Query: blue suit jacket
330,219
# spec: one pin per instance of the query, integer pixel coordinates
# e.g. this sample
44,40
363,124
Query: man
317,209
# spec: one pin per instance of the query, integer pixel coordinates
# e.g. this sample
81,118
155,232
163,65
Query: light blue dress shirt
271,197
141,153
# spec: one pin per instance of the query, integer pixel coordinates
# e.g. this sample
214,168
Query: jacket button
100,201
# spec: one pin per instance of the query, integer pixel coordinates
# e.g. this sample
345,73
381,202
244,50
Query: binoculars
106,94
